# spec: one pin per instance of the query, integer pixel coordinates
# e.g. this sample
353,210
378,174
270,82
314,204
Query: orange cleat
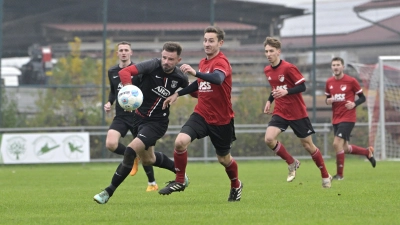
135,167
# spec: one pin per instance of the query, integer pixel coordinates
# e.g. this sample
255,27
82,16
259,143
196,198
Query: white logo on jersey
284,87
174,83
158,76
281,77
119,86
339,97
269,78
205,86
115,77
331,87
343,87
161,91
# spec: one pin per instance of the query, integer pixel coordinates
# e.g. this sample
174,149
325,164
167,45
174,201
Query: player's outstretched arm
187,69
126,73
107,107
267,108
171,99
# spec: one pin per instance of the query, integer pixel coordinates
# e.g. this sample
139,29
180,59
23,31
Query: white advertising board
20,148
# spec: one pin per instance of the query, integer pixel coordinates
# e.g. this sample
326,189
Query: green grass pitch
63,194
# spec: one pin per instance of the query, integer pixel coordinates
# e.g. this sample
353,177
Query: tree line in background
75,99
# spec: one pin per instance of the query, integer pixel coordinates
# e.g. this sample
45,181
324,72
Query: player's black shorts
343,130
301,127
221,136
149,131
122,124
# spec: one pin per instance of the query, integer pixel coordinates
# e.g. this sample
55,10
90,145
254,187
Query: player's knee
111,145
269,140
309,147
336,145
148,161
224,160
181,144
129,157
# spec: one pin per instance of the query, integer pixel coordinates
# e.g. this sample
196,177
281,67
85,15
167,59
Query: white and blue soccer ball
130,97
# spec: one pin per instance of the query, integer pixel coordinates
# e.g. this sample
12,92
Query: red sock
340,163
280,150
357,150
180,160
319,161
232,171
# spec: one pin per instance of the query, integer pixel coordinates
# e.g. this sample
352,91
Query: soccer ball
130,97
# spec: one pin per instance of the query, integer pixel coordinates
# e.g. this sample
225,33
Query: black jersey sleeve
216,77
111,95
148,66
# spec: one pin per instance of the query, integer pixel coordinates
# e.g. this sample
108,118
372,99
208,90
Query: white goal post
389,93
381,84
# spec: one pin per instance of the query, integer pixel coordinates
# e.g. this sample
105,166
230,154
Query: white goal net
381,84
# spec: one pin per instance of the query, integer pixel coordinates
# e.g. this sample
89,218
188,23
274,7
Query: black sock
120,149
119,176
150,173
163,161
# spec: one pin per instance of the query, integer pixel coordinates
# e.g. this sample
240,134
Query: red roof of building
377,4
369,35
192,26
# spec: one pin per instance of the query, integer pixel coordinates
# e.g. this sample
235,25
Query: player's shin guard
281,151
180,160
164,162
319,161
340,163
233,174
119,176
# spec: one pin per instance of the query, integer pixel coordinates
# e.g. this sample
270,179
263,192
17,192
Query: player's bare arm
187,69
350,105
279,93
267,108
171,99
329,101
107,107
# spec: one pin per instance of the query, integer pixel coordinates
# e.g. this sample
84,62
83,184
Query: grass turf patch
63,194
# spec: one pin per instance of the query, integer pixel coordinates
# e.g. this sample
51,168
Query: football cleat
102,197
371,156
337,177
236,193
292,170
172,186
327,182
152,187
187,182
135,167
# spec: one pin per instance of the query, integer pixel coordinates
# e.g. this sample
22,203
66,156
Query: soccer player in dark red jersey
123,120
287,83
212,116
341,90
160,78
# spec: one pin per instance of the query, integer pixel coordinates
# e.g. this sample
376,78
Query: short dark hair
124,43
214,29
273,42
338,59
173,47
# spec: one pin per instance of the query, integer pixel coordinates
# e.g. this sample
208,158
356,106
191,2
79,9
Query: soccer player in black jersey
160,78
123,120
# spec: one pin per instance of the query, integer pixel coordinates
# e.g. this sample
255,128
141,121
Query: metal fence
202,150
